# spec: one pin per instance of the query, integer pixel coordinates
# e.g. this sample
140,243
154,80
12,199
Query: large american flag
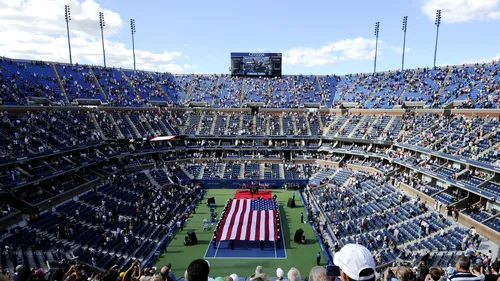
249,219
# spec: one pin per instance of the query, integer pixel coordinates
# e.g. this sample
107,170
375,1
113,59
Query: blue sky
318,37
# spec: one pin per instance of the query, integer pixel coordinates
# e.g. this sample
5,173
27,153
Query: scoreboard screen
256,64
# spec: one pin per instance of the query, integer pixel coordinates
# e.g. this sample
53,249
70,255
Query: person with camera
76,273
401,273
131,275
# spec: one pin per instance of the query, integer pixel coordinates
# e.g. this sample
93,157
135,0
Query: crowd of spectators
353,262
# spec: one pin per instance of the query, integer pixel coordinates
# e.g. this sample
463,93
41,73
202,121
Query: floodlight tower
67,16
438,23
132,30
405,25
102,24
377,27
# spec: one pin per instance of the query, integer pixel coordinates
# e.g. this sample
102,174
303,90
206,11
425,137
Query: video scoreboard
256,64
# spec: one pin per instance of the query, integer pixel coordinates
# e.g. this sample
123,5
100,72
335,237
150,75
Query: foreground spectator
197,270
318,273
355,263
294,274
494,276
463,274
435,274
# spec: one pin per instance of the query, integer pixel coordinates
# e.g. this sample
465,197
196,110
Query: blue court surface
247,250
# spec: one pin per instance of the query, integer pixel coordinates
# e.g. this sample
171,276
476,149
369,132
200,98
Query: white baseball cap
354,258
279,272
234,277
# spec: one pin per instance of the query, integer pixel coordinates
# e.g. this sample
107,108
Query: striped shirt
464,276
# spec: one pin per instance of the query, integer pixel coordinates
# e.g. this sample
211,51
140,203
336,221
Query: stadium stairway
358,126
329,124
376,88
132,125
63,91
182,129
487,151
281,125
344,124
351,89
151,178
198,127
308,126
240,124
447,78
327,235
23,172
413,77
217,85
117,129
164,127
254,123
99,85
212,129
160,88
321,123
149,128
242,90
183,168
282,171
202,171
269,90
242,171
97,127
268,127
318,83
166,173
294,125
222,170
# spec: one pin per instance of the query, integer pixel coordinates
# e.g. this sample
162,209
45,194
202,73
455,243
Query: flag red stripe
257,227
267,222
234,219
241,219
248,230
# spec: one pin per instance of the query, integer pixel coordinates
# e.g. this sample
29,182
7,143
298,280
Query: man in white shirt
450,270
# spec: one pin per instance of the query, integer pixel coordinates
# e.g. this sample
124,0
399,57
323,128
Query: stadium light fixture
132,30
377,28
67,15
438,23
102,24
405,25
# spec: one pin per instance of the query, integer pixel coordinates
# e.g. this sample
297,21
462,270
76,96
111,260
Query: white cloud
36,29
497,57
399,50
337,52
462,10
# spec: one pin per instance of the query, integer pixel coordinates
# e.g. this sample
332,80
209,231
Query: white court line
209,245
281,232
275,252
216,250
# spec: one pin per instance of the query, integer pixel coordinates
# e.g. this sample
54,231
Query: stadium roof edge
200,74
